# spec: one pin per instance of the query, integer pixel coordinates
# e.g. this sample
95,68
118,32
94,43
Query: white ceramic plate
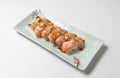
92,44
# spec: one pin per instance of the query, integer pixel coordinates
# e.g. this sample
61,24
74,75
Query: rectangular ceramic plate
92,44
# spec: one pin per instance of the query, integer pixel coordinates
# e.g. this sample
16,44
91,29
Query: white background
21,58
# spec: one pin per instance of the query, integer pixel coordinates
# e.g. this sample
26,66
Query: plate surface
92,44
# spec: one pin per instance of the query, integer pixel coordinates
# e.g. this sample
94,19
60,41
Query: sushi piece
75,43
54,35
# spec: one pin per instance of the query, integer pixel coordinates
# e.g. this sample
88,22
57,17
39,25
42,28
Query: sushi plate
76,58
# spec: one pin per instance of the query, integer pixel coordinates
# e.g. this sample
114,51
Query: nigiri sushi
72,44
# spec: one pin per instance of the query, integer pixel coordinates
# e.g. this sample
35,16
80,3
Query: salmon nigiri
54,34
72,44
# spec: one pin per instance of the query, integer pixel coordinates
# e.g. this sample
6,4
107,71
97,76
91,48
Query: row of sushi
63,39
